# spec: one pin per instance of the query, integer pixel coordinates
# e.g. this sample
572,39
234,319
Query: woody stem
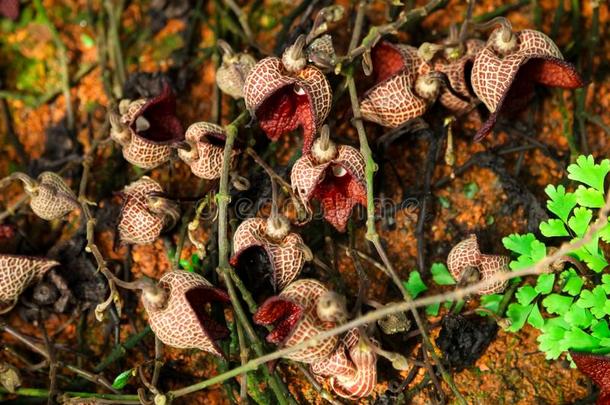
274,205
28,182
373,236
279,389
285,186
371,233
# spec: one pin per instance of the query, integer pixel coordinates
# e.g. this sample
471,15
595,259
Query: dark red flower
297,316
285,94
597,367
9,9
285,249
177,312
507,68
147,128
404,86
336,181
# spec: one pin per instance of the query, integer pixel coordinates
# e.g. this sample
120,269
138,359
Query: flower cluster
501,73
283,94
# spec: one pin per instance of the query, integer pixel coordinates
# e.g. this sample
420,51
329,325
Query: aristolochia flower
511,63
466,256
352,368
145,212
298,314
333,175
146,129
404,86
177,314
287,93
16,274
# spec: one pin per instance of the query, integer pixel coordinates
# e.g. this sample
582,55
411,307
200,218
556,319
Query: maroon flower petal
198,298
596,367
10,9
160,112
283,314
284,111
387,61
338,193
286,256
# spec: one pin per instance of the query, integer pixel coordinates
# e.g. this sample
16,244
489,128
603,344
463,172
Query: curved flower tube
145,212
16,274
147,128
511,63
284,248
177,314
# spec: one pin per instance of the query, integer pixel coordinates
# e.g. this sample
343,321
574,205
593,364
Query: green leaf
589,197
576,338
601,330
606,283
526,294
560,203
87,41
573,282
471,190
491,302
538,251
441,275
415,285
186,265
432,310
579,222
577,316
444,202
518,314
521,244
586,171
553,227
595,261
550,342
595,300
535,319
545,282
557,304
121,380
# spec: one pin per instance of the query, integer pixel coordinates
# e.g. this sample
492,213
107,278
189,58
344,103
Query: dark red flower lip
197,298
160,112
284,314
284,110
388,61
329,186
10,9
597,367
545,70
234,260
